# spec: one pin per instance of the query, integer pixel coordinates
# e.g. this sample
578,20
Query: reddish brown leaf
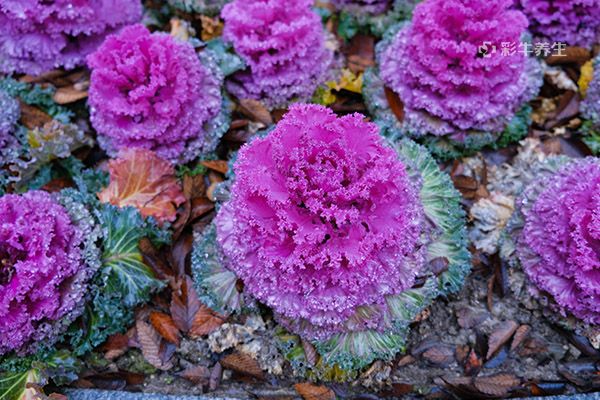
165,326
69,94
185,305
439,355
198,375
200,207
473,364
141,179
497,385
256,110
205,322
115,346
361,53
216,165
150,342
572,55
309,391
32,117
395,104
243,364
502,333
520,335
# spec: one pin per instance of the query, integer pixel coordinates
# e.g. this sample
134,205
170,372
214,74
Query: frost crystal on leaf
151,91
283,45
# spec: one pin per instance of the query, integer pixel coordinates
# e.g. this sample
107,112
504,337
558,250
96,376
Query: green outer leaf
36,95
122,260
13,385
215,284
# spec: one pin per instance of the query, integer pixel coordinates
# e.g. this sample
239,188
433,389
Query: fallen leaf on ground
309,391
150,342
140,178
165,326
205,322
243,364
185,305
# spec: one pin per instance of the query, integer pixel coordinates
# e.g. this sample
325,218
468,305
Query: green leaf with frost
122,262
13,386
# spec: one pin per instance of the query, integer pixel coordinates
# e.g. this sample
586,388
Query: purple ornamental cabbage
43,269
574,22
39,35
283,45
559,246
330,227
363,6
590,107
151,91
323,210
447,87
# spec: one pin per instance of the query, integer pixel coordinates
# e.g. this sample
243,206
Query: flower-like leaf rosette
336,232
554,235
38,35
283,46
151,91
433,82
48,255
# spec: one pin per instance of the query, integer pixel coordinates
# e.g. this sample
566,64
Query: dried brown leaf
199,375
309,391
256,110
150,342
395,104
502,333
205,322
521,333
32,117
165,326
69,94
216,165
141,179
496,385
243,364
185,305
440,356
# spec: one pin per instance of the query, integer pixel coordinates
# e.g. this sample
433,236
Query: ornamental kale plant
329,226
557,236
38,35
48,256
151,91
455,97
283,45
573,22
